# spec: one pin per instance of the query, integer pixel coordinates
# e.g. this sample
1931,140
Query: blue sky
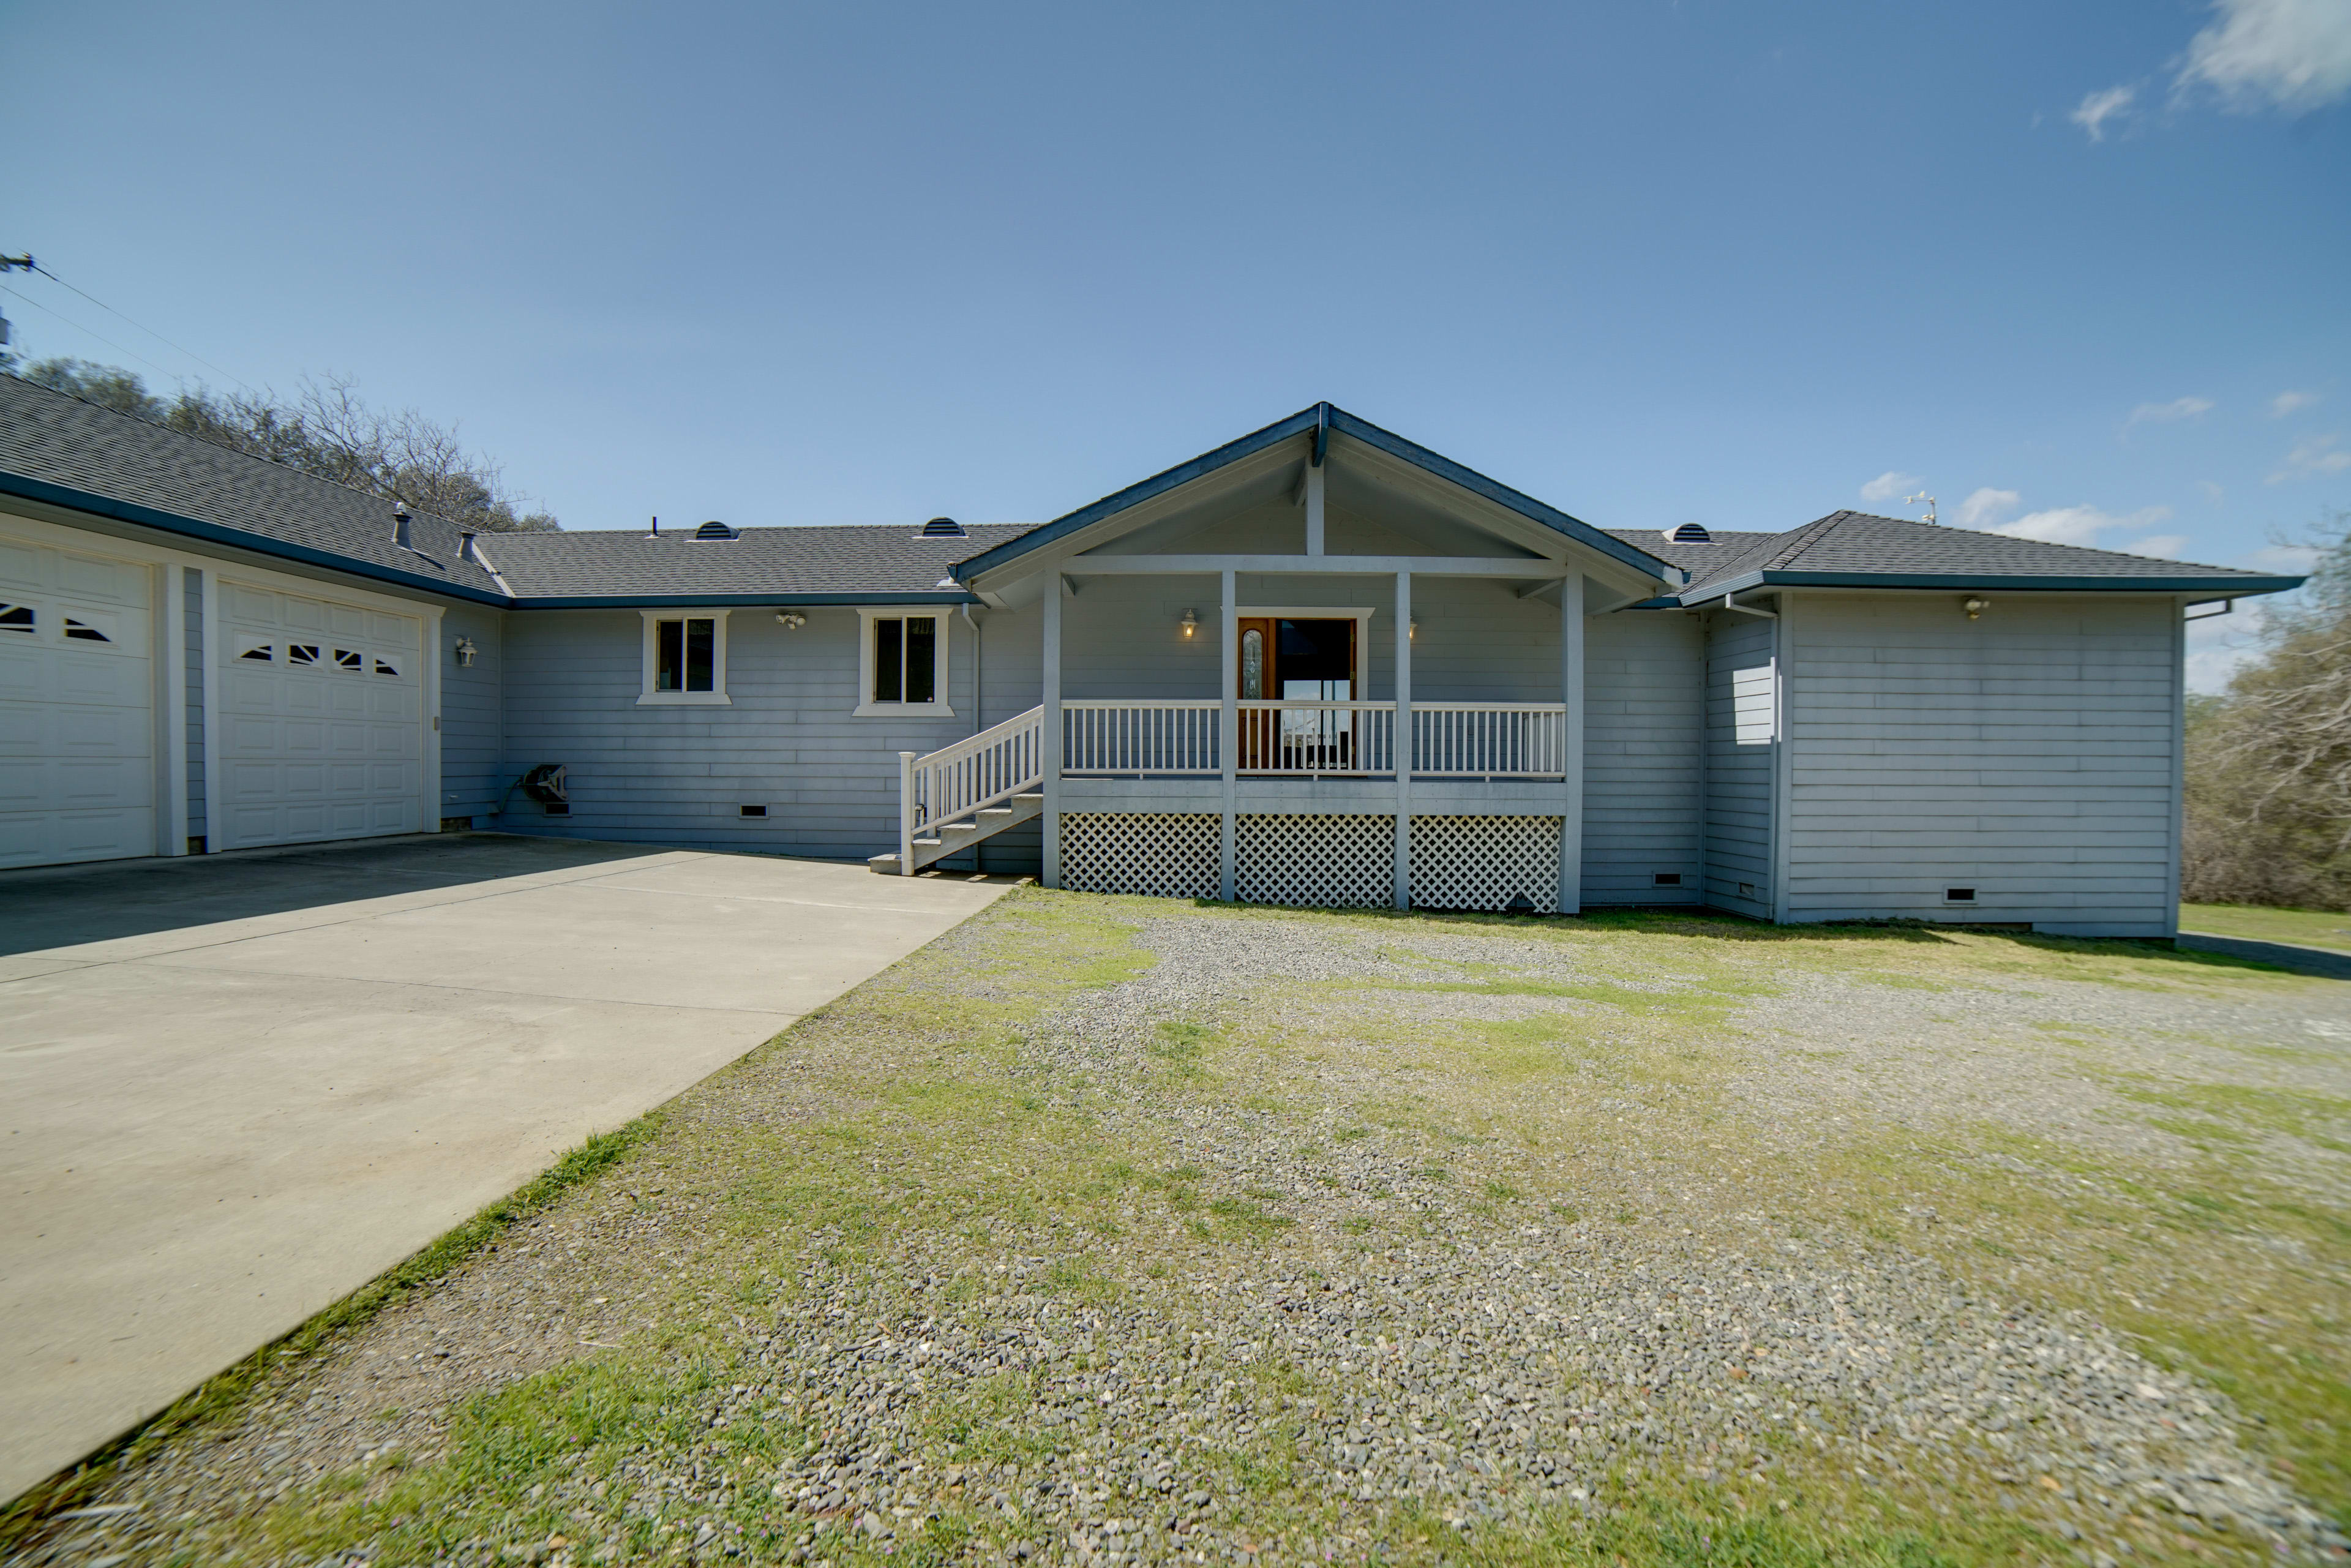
2077,266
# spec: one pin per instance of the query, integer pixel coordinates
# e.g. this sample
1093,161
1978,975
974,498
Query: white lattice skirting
1483,863
1166,854
1321,861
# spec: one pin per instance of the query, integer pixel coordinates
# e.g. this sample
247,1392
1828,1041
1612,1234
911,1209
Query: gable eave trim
2248,586
71,499
1501,495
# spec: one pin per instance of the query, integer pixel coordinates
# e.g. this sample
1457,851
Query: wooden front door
1298,660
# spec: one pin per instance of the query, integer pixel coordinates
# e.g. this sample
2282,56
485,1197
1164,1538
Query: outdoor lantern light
791,619
1412,630
1975,607
465,652
1190,621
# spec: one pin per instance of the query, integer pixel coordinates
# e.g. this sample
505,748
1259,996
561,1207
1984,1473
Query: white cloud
2161,546
2212,493
2311,456
1890,485
1985,507
2179,408
2100,107
2283,558
2286,403
2078,525
2294,54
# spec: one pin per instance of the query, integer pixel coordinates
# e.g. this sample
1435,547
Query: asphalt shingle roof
1862,549
58,449
764,563
63,444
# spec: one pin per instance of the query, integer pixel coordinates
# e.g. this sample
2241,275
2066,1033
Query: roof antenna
656,533
1922,496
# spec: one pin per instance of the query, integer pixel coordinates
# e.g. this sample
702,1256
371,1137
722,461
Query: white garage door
76,705
320,731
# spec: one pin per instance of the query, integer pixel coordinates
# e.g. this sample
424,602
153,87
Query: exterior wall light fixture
1189,620
1412,630
1975,607
465,652
791,619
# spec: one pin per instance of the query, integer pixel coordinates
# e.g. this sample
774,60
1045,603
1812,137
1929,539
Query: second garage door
322,732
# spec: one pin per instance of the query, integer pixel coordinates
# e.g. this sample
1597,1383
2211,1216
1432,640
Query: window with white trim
902,665
685,659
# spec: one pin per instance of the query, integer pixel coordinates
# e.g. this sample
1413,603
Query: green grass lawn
2306,927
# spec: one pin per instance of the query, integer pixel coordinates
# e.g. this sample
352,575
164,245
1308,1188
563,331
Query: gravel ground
1338,1292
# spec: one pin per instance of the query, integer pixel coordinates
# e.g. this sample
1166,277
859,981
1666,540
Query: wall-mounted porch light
465,652
1189,620
1412,630
1975,607
791,619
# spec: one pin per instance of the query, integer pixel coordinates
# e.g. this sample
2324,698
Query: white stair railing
971,775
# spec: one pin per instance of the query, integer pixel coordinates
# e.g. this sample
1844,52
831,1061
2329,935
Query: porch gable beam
1320,565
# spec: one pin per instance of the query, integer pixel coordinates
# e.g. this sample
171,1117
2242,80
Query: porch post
1570,741
1051,867
1228,729
1401,741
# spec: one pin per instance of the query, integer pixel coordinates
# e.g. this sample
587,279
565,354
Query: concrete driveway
234,1088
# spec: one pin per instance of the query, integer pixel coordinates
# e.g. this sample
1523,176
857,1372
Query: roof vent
399,537
943,529
1688,534
716,531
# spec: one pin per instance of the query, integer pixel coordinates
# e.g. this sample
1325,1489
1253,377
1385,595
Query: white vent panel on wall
1483,863
1319,861
1163,854
1754,706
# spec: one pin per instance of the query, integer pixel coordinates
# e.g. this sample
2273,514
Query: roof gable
1311,429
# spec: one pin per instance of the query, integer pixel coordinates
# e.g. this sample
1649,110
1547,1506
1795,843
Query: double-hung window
684,658
903,668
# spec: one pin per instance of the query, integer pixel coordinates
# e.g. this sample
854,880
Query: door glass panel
1252,663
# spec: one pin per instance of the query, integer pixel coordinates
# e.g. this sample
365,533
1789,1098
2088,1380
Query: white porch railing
1176,736
1317,737
1490,740
955,781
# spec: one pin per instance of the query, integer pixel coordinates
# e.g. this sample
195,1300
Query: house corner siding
1643,721
1740,765
2029,754
473,713
191,593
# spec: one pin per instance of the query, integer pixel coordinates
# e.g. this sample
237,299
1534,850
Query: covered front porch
1310,673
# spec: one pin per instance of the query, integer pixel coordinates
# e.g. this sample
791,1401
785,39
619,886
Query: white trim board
717,696
868,708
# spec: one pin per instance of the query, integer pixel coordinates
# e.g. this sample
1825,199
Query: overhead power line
150,332
108,341
27,263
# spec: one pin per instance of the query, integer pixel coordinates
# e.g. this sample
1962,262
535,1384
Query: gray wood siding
191,596
473,713
1643,715
2028,755
1738,777
679,775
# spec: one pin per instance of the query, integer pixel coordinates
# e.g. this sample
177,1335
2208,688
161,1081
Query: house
1320,664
